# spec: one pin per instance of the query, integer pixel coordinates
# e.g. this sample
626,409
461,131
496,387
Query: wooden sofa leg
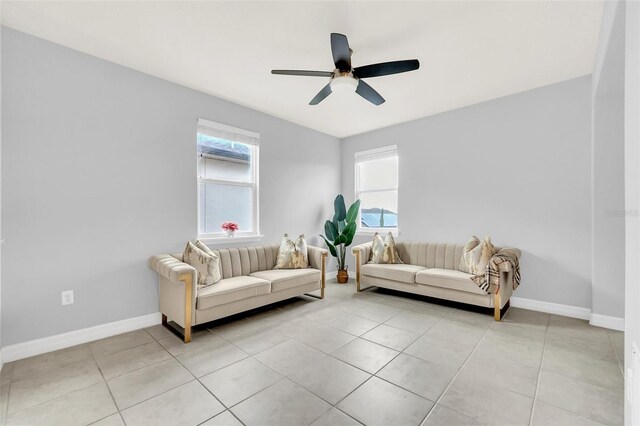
357,253
497,314
187,279
324,271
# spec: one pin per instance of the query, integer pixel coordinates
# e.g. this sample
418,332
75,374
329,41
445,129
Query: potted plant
340,232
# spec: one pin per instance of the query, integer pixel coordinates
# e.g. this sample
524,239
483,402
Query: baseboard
77,337
613,323
606,321
85,335
551,308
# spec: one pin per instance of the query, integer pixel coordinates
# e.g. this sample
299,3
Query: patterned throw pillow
206,262
471,244
292,255
217,270
384,251
476,255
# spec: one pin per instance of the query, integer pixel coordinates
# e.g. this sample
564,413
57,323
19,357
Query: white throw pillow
384,251
206,262
292,255
477,256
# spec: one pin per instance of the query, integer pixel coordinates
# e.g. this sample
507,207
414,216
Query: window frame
240,235
369,155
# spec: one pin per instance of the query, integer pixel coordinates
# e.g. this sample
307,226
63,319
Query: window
227,179
376,176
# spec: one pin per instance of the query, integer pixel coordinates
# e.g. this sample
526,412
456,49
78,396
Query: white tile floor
374,358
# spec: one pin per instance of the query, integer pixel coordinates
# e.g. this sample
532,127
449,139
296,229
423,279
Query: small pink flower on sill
229,226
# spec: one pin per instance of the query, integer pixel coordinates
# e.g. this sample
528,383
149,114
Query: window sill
217,241
371,232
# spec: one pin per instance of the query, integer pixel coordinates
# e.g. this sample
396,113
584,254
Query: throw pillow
208,266
465,259
384,251
478,257
217,270
292,255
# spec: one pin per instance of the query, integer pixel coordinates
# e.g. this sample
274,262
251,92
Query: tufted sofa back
432,255
240,261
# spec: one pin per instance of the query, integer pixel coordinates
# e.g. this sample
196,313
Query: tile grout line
59,396
387,363
616,354
377,371
456,375
197,379
161,393
450,314
535,394
6,408
106,383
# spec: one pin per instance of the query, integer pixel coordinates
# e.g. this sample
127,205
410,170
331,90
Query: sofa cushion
447,278
397,272
284,279
230,290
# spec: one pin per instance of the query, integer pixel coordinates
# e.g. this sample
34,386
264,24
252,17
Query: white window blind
227,179
376,181
232,134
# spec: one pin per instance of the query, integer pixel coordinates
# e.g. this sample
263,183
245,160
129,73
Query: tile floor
374,358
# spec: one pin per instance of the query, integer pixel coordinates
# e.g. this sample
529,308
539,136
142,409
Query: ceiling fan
345,77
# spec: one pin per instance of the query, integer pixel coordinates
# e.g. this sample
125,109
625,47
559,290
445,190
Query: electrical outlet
67,297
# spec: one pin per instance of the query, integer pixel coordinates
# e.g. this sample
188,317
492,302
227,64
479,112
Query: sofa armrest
506,266
178,291
316,256
362,253
171,268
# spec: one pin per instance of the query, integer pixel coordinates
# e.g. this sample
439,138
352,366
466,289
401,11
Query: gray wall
99,173
516,169
608,166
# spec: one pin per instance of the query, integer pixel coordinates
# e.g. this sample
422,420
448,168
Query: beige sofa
249,281
432,270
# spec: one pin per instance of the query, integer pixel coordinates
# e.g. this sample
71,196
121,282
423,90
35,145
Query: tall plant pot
343,276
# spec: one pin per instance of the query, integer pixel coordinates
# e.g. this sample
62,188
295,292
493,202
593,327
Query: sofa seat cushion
284,279
231,290
396,272
447,278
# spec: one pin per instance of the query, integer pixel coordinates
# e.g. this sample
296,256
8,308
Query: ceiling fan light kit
344,83
345,78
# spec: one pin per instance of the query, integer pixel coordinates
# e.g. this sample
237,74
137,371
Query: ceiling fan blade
326,91
303,73
341,52
386,68
369,93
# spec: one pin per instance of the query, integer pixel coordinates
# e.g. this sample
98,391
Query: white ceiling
469,51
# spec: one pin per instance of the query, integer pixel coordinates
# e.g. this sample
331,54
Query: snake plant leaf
349,233
332,248
352,214
339,208
340,240
330,230
341,226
